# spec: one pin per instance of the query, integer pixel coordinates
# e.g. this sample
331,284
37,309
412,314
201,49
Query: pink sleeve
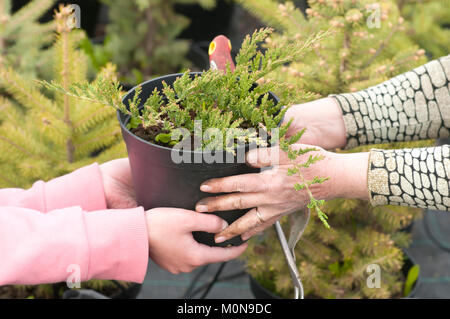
44,248
83,187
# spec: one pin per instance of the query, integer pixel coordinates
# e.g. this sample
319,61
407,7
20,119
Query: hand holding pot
323,121
271,193
118,185
172,245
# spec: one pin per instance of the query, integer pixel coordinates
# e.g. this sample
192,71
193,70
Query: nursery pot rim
191,152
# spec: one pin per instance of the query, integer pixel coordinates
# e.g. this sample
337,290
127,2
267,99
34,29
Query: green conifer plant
367,46
220,100
43,136
23,40
427,23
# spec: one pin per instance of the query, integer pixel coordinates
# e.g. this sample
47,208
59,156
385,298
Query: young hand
118,184
172,245
271,193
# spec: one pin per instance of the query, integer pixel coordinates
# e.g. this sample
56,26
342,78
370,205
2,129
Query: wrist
349,173
339,140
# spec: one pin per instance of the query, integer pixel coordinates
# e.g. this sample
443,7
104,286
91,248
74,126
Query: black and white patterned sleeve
416,177
411,106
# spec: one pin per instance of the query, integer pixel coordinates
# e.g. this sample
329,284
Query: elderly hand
323,121
271,193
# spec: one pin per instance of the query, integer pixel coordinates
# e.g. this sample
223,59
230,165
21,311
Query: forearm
348,178
38,248
83,187
411,106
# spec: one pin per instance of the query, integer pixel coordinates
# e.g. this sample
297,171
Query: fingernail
224,225
251,157
219,240
245,236
205,188
201,208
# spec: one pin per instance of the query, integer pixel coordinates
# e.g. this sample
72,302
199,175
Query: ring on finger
258,215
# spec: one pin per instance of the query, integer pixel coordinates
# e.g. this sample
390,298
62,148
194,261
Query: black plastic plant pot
159,181
261,292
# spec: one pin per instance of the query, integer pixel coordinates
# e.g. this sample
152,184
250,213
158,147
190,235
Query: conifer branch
33,127
98,137
90,116
381,47
8,181
16,146
30,12
346,45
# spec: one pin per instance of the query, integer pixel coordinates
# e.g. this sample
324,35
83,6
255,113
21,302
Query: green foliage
141,38
219,100
411,278
428,24
43,136
354,57
23,39
332,262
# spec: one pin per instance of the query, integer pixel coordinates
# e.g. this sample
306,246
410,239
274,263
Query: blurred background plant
428,24
24,40
45,135
142,38
369,44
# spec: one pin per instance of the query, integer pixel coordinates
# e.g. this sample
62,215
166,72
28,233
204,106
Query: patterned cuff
410,177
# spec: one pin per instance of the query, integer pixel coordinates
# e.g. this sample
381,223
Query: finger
235,201
258,229
205,222
273,156
252,219
210,255
266,156
246,183
281,211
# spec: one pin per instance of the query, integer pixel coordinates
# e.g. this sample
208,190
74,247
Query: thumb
206,222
